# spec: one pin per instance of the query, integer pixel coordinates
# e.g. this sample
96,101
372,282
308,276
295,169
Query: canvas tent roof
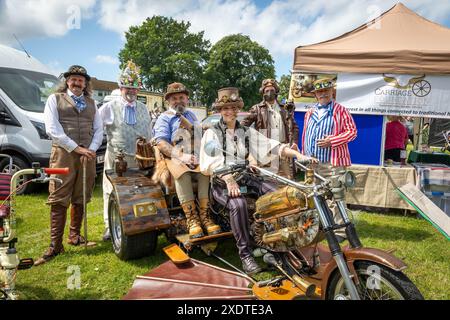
399,41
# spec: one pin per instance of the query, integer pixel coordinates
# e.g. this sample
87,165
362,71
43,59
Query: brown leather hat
76,70
269,83
228,96
175,87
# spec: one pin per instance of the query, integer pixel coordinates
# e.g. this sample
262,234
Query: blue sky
279,25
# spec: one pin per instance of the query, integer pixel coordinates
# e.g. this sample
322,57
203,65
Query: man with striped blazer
327,130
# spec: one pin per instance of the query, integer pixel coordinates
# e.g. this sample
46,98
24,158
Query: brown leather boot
192,219
207,222
76,220
58,216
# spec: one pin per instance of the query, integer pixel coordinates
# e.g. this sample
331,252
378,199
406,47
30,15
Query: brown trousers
71,189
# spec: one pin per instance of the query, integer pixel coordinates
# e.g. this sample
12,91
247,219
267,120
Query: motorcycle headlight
348,179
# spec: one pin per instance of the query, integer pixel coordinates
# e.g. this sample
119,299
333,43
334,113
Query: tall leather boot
76,220
209,225
58,216
192,219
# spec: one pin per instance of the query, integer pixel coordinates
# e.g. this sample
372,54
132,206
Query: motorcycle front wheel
377,282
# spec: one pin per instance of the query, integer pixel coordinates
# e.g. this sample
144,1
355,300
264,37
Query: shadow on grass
27,292
154,260
386,232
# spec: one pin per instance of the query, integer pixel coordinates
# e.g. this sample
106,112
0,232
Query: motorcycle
289,224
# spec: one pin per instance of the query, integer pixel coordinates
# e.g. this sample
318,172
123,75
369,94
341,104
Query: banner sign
381,94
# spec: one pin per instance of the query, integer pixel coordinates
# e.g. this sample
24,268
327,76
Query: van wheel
18,164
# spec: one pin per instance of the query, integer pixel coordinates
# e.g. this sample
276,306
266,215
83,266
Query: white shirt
276,123
321,112
55,130
261,149
106,113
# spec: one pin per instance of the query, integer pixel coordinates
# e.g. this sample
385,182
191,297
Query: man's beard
180,108
130,97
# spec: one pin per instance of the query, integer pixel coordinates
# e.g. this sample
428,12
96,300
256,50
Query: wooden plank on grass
439,219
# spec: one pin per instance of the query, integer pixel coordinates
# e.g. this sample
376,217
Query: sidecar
140,210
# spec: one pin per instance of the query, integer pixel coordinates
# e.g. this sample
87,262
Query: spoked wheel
128,247
421,88
377,282
18,164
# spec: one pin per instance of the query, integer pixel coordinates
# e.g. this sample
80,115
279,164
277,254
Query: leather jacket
259,115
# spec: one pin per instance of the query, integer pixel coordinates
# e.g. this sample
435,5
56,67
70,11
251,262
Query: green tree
237,61
166,52
285,84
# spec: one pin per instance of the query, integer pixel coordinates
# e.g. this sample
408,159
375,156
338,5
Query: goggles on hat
323,85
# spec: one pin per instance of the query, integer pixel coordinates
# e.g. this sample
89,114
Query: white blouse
261,149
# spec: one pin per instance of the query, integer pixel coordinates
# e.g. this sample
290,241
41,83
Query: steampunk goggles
323,85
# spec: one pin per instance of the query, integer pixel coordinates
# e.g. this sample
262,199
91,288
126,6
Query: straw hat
325,83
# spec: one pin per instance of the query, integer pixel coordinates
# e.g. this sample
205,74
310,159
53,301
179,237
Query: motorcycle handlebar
56,170
302,165
304,162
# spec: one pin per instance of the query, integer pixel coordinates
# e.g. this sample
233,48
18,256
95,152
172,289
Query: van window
28,89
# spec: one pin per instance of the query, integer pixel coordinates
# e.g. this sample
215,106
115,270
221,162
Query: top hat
228,96
76,70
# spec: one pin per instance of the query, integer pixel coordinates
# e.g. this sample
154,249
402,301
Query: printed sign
380,94
391,94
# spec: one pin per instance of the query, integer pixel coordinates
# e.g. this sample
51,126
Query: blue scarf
80,102
129,114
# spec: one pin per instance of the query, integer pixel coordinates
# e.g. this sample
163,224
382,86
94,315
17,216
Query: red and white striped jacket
344,131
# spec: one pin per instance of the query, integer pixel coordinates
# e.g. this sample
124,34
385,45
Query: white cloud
280,27
55,68
41,18
106,59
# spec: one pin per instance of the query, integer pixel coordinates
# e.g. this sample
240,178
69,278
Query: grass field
104,276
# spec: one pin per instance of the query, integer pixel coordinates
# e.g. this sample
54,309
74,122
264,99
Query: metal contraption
10,262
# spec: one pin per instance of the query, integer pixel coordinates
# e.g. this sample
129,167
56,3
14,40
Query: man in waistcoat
73,123
125,119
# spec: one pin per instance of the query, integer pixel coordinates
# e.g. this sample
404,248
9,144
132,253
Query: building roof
102,85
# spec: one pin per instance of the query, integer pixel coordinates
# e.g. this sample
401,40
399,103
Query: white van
25,84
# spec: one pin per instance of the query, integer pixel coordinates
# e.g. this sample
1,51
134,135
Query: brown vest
78,126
